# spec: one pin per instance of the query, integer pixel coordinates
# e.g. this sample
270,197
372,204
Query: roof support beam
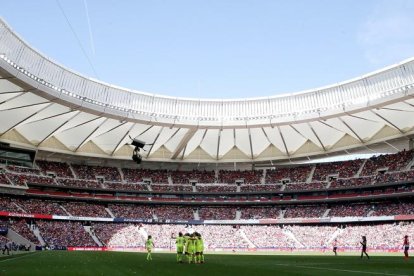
23,106
350,128
317,136
90,135
218,144
27,118
283,140
155,140
250,142
389,122
190,133
122,139
60,126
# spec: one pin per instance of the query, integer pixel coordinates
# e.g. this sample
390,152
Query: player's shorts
335,248
406,247
190,250
180,249
149,249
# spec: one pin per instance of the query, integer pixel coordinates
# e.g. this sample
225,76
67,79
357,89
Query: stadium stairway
196,215
238,214
121,173
36,232
170,181
326,214
409,165
19,207
251,245
17,238
335,234
370,213
73,171
110,212
309,179
263,179
361,168
64,210
291,236
93,236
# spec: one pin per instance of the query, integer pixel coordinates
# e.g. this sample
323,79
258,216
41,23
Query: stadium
90,166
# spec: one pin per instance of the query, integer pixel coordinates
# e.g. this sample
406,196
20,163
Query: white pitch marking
25,255
344,270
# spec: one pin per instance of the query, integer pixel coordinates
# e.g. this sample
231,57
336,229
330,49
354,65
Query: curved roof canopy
49,107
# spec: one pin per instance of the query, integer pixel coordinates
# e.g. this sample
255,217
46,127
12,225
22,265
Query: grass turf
120,263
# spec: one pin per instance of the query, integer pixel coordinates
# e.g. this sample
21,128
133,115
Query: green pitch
117,263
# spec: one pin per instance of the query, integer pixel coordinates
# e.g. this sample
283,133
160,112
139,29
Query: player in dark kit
335,247
406,247
364,247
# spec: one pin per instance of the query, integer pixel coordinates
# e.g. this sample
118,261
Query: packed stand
172,188
394,177
60,169
305,186
393,162
312,237
269,237
139,175
82,209
131,211
217,213
249,177
66,233
260,188
344,169
21,227
349,210
91,172
184,177
120,235
381,236
316,211
392,209
3,179
174,212
260,212
36,206
79,183
9,205
216,188
23,179
351,182
125,186
23,170
294,174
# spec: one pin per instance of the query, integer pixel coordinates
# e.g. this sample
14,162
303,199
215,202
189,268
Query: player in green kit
179,241
199,249
149,244
190,248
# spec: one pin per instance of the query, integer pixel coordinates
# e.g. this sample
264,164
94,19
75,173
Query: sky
217,48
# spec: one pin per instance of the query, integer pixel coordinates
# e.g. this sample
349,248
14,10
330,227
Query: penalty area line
343,270
19,257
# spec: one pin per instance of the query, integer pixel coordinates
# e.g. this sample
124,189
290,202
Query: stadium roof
49,107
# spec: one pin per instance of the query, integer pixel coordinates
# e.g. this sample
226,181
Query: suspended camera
138,144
